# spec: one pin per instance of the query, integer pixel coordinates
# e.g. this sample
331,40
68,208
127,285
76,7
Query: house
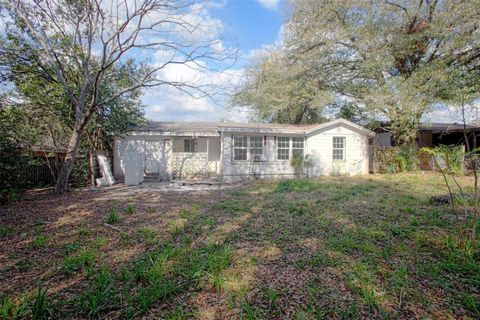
231,151
433,134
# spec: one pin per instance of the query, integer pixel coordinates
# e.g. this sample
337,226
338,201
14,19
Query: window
239,148
283,148
256,148
190,145
338,148
297,147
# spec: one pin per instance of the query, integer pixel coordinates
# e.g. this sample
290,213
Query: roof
213,128
435,127
445,127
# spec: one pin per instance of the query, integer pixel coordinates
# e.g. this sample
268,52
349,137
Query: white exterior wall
318,146
269,168
320,151
154,156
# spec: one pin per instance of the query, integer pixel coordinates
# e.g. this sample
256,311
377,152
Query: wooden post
91,165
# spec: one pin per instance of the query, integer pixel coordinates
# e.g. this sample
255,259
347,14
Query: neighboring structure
230,151
433,134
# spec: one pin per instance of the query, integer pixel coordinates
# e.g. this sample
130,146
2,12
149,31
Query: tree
282,91
391,56
80,42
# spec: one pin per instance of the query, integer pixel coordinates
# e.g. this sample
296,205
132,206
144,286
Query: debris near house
107,176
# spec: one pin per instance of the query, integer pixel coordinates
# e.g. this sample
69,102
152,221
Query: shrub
395,159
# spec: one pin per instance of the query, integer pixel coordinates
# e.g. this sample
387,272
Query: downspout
222,144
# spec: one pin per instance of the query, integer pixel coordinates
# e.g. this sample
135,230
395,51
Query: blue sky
249,26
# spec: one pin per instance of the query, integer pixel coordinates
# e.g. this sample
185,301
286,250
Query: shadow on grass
333,247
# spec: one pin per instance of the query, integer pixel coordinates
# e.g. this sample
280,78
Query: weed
71,248
39,305
100,241
84,258
12,308
148,234
248,312
189,213
472,304
295,185
176,227
38,242
349,313
83,232
130,209
234,207
272,296
369,299
179,314
125,239
113,216
6,230
100,294
319,259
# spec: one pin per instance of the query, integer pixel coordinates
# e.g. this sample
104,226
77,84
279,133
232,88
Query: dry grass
334,247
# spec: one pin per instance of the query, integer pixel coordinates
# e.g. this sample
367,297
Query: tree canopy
82,50
395,58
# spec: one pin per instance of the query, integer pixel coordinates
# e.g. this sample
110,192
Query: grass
130,209
82,259
113,217
5,231
38,242
335,247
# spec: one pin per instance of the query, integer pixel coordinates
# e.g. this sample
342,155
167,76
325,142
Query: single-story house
229,151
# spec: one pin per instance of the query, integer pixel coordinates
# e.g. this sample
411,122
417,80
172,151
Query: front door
152,157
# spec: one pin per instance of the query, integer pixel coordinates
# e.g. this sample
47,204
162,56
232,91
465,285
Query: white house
230,151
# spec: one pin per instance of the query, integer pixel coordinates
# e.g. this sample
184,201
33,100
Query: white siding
320,150
270,168
318,147
136,145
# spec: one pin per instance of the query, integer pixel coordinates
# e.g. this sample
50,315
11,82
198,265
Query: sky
247,25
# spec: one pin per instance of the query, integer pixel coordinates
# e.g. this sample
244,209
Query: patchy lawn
334,247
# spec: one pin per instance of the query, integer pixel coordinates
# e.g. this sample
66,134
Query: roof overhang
345,123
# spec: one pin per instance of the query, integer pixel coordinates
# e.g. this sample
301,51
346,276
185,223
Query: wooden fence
41,174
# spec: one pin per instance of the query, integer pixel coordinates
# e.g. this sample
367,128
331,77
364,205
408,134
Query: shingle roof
207,128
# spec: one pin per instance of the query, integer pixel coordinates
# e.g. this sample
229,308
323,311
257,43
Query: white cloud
269,4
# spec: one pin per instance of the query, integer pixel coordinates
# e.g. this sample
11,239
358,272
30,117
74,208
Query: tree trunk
67,165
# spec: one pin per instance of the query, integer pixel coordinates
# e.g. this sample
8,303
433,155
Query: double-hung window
339,148
297,147
283,148
256,148
190,145
240,148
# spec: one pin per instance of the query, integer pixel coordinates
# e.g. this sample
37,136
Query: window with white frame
256,148
338,148
297,146
283,148
190,145
239,148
